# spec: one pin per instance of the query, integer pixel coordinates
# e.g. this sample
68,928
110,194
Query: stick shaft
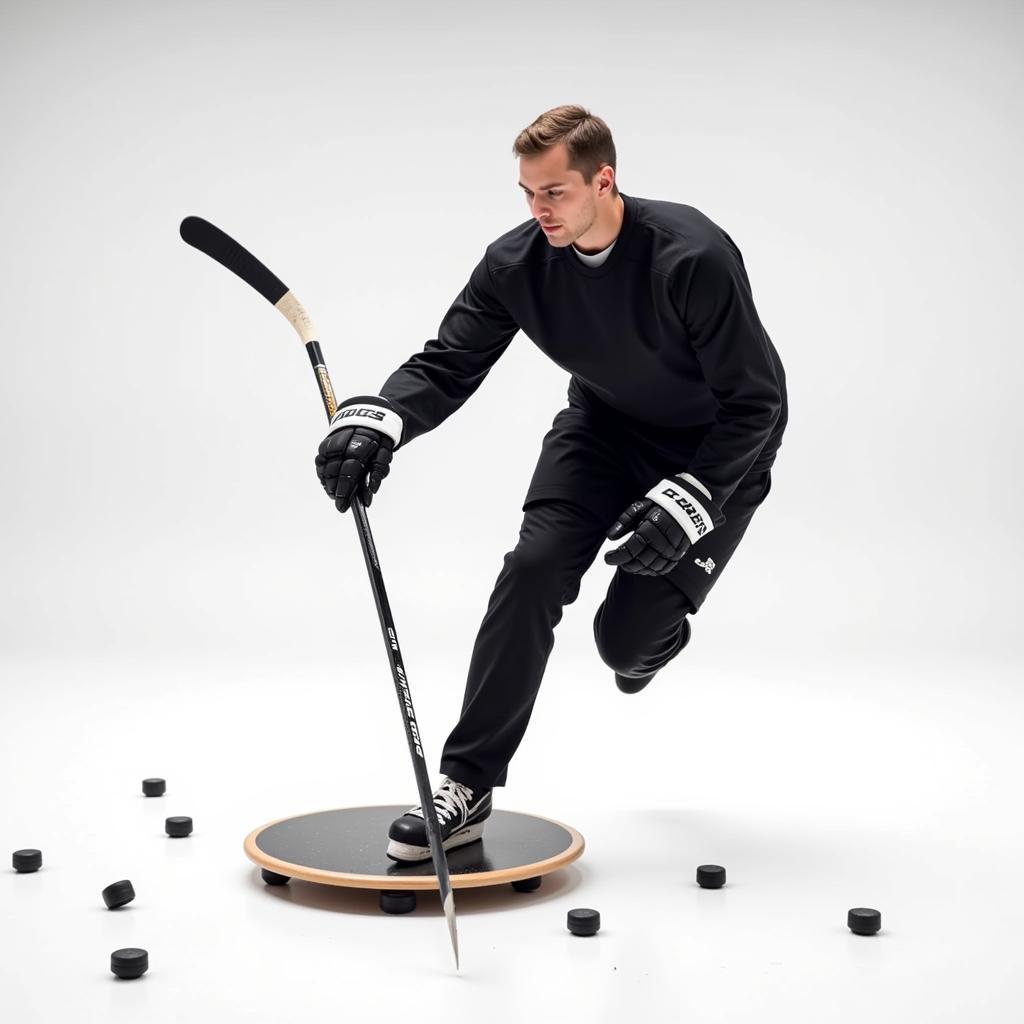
380,597
218,245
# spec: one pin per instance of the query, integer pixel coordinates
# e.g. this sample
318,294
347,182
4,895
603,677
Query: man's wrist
369,411
689,502
691,479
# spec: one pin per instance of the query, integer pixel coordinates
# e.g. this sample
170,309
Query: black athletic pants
585,477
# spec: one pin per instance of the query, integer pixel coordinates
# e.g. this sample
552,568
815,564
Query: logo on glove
687,506
355,410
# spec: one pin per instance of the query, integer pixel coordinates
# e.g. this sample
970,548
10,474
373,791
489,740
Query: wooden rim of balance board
397,882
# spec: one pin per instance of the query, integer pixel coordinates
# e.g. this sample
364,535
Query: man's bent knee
536,567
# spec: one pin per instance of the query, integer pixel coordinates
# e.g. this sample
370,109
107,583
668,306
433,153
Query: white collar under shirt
595,259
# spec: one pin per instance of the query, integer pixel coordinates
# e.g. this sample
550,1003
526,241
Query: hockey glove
355,455
674,514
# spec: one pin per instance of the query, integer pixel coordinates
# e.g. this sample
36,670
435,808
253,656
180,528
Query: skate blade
407,852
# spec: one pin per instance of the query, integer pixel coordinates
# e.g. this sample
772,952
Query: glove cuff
369,411
690,478
689,504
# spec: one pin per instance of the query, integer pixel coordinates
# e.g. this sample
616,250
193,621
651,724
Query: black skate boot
634,684
461,813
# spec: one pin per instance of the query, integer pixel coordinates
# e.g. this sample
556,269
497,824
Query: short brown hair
587,139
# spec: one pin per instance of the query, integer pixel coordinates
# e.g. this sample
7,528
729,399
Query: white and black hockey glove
355,456
674,514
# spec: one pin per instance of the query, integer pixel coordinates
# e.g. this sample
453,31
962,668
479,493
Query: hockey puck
711,876
178,826
154,787
129,962
863,921
583,921
25,861
117,894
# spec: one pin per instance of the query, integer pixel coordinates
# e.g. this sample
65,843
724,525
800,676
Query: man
676,409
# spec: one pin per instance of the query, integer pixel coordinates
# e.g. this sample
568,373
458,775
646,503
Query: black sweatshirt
663,332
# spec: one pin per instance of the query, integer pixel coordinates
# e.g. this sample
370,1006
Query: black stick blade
209,238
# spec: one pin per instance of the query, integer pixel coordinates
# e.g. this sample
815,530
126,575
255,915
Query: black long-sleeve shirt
664,332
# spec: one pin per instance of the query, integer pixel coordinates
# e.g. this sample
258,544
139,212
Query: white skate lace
450,799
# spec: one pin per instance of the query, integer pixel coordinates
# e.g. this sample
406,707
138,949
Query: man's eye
554,193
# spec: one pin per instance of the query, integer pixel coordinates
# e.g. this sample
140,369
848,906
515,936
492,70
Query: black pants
638,628
589,470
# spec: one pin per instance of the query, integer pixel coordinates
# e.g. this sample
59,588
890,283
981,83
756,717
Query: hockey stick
205,237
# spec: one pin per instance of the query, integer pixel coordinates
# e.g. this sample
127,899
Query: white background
181,598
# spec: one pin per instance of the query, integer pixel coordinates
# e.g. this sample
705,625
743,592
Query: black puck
117,894
711,876
396,901
178,826
583,921
25,861
129,962
154,787
863,921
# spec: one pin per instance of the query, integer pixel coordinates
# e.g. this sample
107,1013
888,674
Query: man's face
558,197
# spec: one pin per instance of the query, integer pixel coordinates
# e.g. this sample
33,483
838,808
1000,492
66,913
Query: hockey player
675,411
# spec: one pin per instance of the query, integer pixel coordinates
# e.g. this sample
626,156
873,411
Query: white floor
820,787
